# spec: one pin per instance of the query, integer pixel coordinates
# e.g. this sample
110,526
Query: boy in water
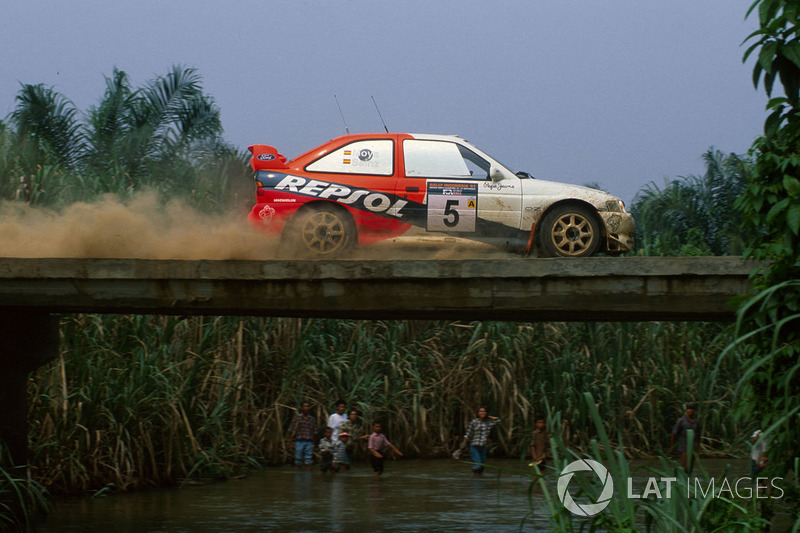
377,444
326,451
477,436
679,436
301,436
341,459
540,443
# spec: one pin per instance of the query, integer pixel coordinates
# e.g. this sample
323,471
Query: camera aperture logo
585,509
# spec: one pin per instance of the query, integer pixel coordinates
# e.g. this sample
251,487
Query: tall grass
22,499
136,401
679,509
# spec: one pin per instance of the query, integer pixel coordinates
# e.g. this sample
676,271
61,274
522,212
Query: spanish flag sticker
348,152
346,161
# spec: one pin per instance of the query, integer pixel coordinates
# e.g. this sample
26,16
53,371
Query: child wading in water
377,443
540,443
341,459
326,451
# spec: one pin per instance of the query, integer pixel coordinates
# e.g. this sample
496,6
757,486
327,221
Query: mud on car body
358,189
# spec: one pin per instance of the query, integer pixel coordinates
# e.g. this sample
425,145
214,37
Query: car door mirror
495,174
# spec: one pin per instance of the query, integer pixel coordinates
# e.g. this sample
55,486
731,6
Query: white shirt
334,422
759,449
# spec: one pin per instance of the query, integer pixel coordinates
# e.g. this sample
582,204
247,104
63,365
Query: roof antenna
340,112
379,114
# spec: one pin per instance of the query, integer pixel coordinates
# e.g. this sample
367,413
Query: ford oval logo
265,157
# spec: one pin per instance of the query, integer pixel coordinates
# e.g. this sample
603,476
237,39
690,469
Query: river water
412,495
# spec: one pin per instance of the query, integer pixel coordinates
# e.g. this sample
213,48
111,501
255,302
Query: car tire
321,231
569,230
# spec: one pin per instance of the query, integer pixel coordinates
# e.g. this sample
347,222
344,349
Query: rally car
359,189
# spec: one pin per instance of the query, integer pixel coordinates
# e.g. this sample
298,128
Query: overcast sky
618,92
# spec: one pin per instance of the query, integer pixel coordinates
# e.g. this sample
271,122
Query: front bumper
619,228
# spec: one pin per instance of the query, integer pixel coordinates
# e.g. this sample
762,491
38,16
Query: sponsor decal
497,186
365,154
356,197
266,214
265,157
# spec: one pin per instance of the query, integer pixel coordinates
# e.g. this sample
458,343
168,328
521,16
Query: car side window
371,157
442,159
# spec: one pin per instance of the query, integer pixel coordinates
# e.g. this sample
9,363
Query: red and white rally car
358,189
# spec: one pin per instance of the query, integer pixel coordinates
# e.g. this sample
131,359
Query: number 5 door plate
452,206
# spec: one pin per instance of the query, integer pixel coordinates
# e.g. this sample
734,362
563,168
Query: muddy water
413,495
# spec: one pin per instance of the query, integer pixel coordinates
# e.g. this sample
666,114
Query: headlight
615,206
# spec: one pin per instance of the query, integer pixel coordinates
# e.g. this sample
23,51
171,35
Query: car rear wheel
569,231
322,231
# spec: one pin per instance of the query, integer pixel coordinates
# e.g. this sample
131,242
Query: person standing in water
540,443
358,436
336,419
377,448
301,436
679,440
477,437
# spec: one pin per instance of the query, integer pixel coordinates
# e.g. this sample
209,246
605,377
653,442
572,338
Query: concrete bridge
34,291
590,289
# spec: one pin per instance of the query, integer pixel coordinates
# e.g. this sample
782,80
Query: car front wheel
569,231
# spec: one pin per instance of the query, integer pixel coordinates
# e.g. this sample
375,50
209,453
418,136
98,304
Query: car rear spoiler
266,157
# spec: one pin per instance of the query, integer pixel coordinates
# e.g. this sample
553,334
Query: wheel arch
573,201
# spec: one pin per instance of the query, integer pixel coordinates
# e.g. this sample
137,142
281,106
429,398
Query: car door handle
412,189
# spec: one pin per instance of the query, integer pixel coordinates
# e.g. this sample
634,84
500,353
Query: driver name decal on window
369,157
452,206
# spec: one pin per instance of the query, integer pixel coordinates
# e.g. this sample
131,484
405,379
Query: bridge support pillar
28,339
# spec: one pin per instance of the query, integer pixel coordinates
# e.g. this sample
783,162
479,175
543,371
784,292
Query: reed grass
138,401
685,511
22,500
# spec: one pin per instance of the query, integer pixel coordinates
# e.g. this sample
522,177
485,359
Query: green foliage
768,327
684,511
48,122
22,500
694,215
778,58
138,401
166,136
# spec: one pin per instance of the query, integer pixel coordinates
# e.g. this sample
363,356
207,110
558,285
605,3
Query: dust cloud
144,228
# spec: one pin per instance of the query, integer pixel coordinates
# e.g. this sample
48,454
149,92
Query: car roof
421,136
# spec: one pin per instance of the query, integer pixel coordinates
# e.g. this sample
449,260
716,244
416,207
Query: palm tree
160,127
162,135
694,214
47,123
